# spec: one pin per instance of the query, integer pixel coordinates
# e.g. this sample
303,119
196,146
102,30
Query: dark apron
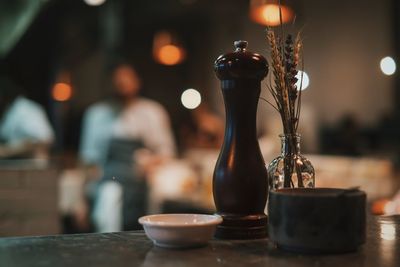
121,168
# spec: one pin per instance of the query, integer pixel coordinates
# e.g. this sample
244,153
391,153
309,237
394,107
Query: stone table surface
382,249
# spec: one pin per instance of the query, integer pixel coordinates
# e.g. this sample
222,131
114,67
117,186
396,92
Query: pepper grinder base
242,227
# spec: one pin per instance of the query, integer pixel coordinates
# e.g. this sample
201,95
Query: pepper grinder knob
241,64
240,45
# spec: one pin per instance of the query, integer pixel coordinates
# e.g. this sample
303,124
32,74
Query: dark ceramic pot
317,220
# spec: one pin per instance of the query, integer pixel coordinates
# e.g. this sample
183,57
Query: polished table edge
133,248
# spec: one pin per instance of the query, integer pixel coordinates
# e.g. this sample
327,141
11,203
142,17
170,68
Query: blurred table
134,249
373,175
28,198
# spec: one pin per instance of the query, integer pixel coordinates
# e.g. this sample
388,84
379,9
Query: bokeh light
191,98
268,14
388,66
306,80
62,92
388,232
170,55
94,2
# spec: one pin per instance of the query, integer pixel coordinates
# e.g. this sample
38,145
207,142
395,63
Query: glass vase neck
290,144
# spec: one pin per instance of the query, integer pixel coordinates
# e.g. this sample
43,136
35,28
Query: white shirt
144,120
25,120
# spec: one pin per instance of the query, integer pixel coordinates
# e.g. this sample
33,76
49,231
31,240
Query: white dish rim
215,220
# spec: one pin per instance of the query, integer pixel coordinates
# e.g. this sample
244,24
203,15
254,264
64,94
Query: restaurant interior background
62,54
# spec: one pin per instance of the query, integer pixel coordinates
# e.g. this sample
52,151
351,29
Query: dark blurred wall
344,42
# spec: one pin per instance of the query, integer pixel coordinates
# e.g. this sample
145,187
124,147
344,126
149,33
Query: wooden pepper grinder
240,185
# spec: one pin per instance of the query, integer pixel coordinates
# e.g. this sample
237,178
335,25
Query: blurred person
204,130
125,137
25,131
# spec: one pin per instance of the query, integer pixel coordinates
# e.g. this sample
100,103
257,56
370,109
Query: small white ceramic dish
180,230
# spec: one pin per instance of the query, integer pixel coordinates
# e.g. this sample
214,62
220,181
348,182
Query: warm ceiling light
166,49
62,92
94,2
266,12
170,55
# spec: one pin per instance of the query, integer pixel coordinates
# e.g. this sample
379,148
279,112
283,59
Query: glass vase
290,169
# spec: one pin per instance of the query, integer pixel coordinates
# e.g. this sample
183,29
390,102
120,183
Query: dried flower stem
286,57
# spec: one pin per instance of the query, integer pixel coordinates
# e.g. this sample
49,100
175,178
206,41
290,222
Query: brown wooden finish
240,178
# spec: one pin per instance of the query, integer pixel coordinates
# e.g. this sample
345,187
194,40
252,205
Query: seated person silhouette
25,132
114,133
